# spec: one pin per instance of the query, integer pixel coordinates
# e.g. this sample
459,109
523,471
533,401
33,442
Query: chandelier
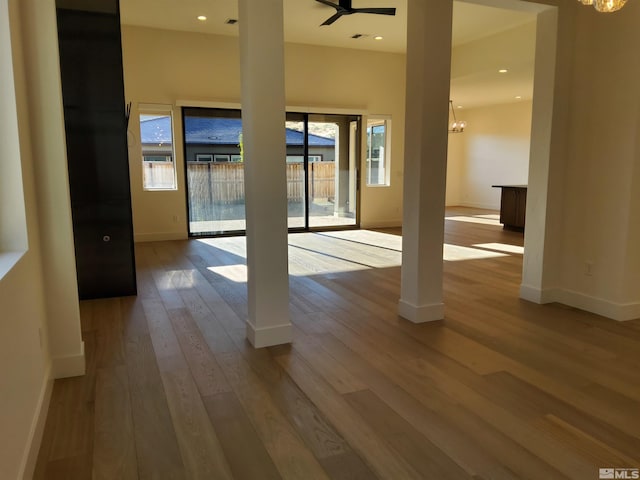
457,126
605,6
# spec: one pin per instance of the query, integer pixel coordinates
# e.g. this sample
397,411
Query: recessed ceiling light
202,18
518,97
378,37
503,70
459,106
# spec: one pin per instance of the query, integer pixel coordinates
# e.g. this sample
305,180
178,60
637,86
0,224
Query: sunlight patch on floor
235,273
369,237
309,253
456,253
233,245
476,219
502,247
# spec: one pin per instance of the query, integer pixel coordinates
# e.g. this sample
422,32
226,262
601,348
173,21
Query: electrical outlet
175,219
588,268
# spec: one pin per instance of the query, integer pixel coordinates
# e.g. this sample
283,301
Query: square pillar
425,169
264,144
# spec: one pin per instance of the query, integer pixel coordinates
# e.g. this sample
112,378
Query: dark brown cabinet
97,154
513,206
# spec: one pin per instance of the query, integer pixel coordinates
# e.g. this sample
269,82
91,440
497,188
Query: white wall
493,150
456,157
601,188
162,67
24,362
32,310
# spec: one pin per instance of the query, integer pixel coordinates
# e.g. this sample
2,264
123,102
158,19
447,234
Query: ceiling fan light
608,6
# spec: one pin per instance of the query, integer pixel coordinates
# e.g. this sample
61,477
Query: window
221,158
156,140
204,157
157,158
378,157
13,224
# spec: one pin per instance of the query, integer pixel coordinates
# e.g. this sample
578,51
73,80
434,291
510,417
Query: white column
263,125
425,168
542,239
46,128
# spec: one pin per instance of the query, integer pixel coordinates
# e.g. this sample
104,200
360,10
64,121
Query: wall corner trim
69,365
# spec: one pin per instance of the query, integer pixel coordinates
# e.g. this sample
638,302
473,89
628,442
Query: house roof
214,131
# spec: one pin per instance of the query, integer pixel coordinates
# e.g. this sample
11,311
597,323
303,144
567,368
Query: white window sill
8,260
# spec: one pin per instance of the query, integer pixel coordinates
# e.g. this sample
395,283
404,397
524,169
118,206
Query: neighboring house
210,139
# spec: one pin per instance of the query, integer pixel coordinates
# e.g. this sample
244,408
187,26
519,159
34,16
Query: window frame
204,157
14,236
373,121
158,110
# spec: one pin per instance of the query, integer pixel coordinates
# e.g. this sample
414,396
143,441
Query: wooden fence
218,184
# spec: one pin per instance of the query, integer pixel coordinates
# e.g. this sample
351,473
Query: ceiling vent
231,21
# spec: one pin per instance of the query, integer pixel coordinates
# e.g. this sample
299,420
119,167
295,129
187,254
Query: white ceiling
471,23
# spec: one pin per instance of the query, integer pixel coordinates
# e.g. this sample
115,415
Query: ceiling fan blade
327,2
379,11
332,19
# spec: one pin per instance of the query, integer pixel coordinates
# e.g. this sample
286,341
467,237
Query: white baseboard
34,440
382,224
422,313
69,365
269,336
537,295
615,311
159,236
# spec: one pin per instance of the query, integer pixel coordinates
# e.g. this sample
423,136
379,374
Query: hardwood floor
501,389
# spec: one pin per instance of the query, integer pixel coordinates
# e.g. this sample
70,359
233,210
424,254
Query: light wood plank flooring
501,389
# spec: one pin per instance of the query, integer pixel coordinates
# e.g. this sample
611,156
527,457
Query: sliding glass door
332,179
321,171
214,171
295,128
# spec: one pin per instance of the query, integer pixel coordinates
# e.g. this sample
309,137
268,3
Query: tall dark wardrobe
96,134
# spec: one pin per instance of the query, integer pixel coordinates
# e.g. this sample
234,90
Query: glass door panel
214,171
296,168
332,170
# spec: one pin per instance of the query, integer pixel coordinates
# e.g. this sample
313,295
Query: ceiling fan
344,8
